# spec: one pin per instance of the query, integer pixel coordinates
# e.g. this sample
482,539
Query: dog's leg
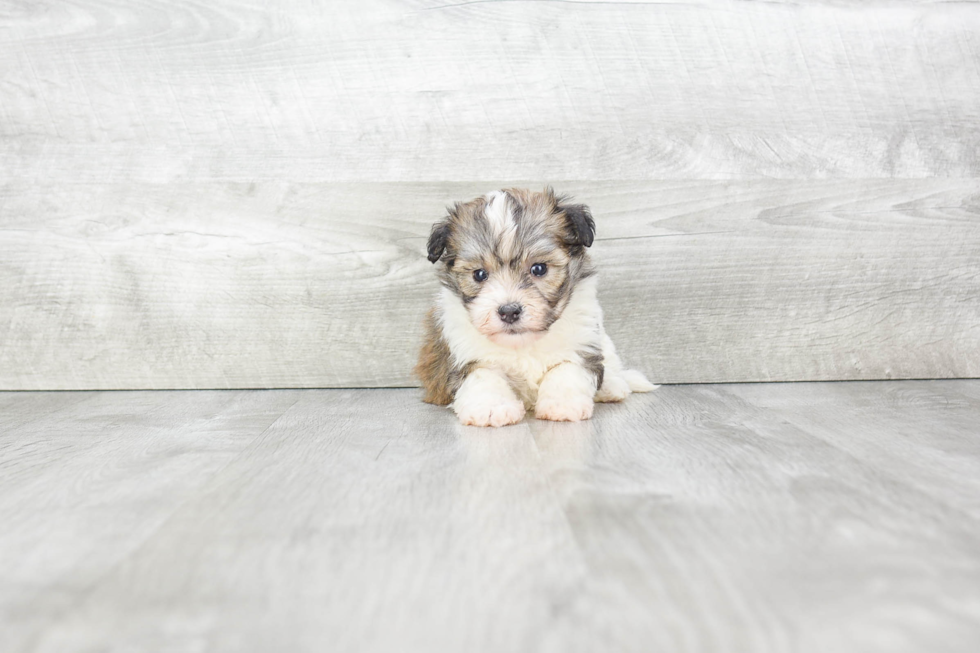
486,399
565,394
618,383
615,387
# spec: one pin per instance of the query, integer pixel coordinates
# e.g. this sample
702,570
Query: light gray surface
225,194
378,90
782,517
323,285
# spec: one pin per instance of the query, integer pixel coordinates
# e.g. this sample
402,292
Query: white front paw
564,409
490,411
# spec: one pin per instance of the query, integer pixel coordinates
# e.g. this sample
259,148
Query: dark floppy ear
580,223
438,239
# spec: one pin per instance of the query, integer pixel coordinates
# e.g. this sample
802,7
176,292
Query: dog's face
513,258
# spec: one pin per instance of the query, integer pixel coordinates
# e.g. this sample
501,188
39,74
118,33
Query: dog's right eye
480,275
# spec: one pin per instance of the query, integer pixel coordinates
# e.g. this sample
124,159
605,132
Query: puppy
517,324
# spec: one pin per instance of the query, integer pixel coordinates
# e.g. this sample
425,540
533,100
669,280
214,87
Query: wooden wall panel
378,90
215,285
232,194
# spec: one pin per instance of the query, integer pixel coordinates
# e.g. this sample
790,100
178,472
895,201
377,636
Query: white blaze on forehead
501,219
498,211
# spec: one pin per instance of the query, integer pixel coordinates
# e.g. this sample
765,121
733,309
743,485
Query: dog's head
513,257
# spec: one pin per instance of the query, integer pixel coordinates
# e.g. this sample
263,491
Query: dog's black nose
510,313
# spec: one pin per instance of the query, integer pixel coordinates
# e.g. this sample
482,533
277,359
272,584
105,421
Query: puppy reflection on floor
517,324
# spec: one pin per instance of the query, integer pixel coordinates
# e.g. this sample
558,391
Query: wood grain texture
695,518
215,285
903,444
87,478
725,527
235,195
153,91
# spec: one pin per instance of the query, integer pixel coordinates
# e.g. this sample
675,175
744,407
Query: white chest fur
579,327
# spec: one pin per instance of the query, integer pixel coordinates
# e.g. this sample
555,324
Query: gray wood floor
782,517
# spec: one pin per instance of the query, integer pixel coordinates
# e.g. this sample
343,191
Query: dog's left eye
539,269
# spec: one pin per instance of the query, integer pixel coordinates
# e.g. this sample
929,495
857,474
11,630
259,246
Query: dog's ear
581,226
438,240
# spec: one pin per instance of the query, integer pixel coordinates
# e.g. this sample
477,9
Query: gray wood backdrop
225,194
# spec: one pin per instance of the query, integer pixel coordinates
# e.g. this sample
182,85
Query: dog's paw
564,409
490,412
614,388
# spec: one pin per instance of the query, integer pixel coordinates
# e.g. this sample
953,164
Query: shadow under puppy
517,324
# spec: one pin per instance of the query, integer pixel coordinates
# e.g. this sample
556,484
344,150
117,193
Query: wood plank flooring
779,517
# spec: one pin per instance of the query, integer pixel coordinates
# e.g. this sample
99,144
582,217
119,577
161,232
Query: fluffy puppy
517,324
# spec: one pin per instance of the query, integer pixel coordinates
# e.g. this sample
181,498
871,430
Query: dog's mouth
518,334
516,337
520,329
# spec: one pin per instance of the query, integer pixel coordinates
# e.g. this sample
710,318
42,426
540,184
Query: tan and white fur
517,324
